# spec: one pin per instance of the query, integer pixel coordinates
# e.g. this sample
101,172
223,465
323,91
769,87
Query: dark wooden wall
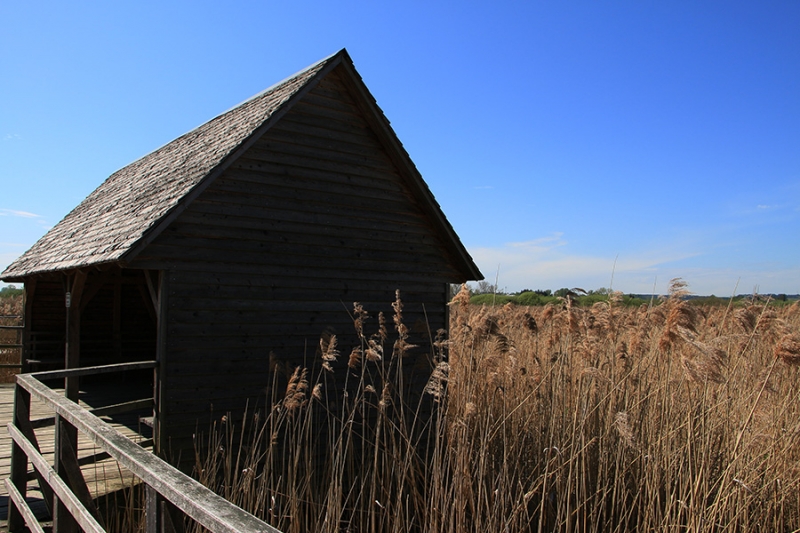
118,322
273,254
47,324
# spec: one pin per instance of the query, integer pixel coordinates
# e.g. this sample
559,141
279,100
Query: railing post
66,436
19,461
152,509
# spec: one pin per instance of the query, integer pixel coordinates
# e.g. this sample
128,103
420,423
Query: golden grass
11,307
658,418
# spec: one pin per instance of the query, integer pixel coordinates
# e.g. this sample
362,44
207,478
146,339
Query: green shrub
10,291
491,299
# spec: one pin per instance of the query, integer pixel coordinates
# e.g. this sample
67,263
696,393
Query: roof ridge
131,202
287,79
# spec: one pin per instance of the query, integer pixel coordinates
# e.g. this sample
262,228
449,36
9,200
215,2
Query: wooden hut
238,244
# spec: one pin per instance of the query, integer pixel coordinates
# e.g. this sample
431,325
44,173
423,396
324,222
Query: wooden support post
158,293
73,338
66,434
22,421
75,479
116,318
152,509
171,518
27,349
19,461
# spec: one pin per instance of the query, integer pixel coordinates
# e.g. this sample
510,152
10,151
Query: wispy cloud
546,262
16,213
11,137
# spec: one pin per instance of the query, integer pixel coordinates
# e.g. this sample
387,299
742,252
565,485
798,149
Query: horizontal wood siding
48,323
273,254
118,322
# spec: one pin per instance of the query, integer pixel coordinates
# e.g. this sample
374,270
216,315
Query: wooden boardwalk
102,477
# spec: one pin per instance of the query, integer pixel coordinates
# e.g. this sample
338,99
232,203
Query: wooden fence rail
68,494
17,345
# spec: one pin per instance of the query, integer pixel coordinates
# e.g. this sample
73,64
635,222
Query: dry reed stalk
527,437
788,349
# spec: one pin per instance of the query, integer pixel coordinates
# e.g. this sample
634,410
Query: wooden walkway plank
102,478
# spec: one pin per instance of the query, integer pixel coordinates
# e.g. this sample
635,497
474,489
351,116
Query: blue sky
567,142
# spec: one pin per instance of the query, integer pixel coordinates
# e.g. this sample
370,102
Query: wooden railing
63,487
18,328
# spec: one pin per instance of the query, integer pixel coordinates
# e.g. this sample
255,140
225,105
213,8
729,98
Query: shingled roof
135,203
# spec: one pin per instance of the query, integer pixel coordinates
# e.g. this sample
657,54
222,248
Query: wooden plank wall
118,322
274,253
47,326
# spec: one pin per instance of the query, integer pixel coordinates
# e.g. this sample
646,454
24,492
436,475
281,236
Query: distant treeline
485,293
10,290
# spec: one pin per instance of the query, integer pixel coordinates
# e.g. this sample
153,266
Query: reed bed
666,417
10,315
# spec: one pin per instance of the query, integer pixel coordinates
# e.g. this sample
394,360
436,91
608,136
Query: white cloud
15,213
11,137
546,263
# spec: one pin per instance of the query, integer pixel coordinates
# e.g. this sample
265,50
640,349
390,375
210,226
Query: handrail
12,346
92,370
192,498
60,488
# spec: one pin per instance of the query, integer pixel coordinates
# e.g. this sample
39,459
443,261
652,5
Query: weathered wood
220,283
73,334
19,462
124,407
381,236
198,502
342,218
152,509
30,289
69,462
116,319
66,434
162,379
102,475
21,506
93,370
60,489
93,285
333,249
348,127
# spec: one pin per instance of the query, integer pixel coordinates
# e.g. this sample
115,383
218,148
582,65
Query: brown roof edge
187,200
398,153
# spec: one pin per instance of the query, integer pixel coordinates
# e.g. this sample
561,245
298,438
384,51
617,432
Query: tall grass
557,418
11,309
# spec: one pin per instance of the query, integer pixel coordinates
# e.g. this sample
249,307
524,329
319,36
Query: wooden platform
102,477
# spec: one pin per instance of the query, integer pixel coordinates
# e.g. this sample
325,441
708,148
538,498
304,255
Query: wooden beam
19,463
77,483
73,336
160,379
93,370
198,502
27,352
65,495
22,506
153,288
116,319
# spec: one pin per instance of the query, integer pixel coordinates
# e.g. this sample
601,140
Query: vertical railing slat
167,487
